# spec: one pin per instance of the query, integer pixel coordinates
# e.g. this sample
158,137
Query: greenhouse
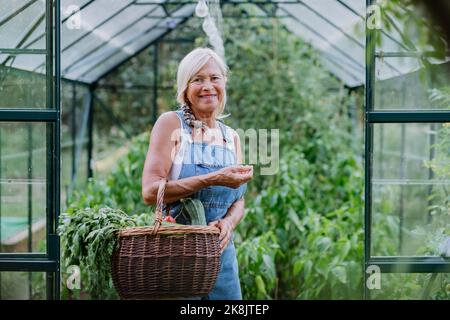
342,107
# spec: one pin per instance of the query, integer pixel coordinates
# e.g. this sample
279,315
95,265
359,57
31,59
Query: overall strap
184,125
224,131
228,139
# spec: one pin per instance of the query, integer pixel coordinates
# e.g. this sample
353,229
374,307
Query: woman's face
206,89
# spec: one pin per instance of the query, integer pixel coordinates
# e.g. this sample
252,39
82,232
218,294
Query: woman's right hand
233,176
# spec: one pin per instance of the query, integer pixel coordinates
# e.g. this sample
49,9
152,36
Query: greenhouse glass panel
92,50
65,4
409,29
36,40
23,286
320,41
316,31
18,19
74,138
351,75
339,24
105,59
106,29
410,185
355,5
23,187
114,59
411,84
23,89
10,7
34,63
91,16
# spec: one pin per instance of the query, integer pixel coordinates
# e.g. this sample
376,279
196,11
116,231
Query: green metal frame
155,82
394,264
48,262
90,144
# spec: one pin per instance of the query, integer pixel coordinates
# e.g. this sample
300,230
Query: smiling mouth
208,96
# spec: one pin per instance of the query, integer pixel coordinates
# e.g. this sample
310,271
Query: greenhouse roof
111,32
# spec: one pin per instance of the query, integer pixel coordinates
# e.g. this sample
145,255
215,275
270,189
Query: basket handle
159,205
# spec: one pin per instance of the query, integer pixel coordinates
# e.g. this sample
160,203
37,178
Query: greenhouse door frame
391,264
48,262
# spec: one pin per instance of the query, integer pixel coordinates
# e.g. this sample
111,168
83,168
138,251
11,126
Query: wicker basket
161,262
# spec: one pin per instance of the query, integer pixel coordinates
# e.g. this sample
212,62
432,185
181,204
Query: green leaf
260,285
298,266
323,244
340,273
295,220
270,266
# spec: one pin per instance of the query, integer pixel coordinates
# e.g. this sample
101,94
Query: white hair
190,66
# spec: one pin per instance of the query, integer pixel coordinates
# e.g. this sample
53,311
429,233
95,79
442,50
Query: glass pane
400,286
30,62
89,17
66,3
37,39
407,27
105,28
9,7
23,286
120,56
409,83
21,20
349,74
23,187
72,146
339,51
111,52
410,183
22,89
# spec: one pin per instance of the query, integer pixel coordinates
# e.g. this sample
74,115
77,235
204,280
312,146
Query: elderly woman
202,162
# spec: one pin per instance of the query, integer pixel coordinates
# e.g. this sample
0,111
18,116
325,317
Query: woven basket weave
161,262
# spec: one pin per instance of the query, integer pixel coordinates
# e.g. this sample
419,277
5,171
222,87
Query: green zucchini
194,210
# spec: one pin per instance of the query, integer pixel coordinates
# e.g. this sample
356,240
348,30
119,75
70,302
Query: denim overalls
201,158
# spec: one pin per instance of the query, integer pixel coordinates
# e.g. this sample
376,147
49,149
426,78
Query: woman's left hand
226,231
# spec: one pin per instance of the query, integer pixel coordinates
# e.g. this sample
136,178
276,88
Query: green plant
88,239
124,183
321,241
122,187
258,255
